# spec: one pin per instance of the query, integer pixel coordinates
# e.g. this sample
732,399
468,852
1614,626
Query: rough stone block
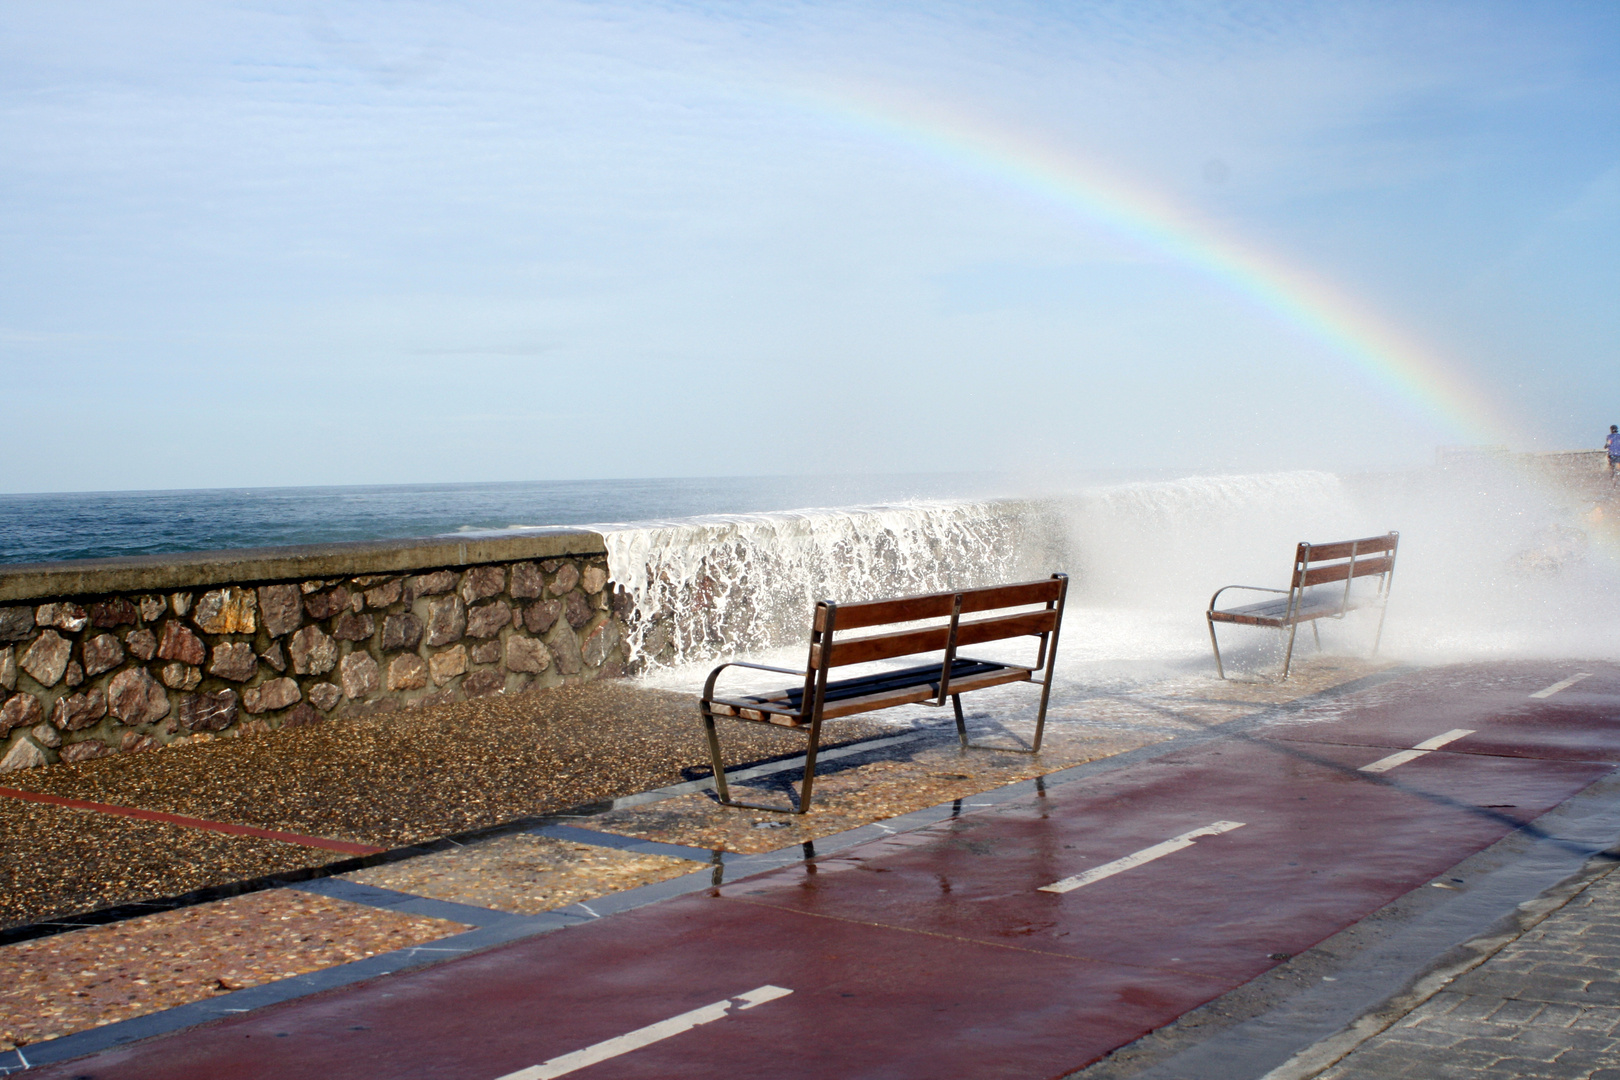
118,611
151,608
281,609
527,654
482,581
88,750
402,631
577,610
274,656
181,644
142,644
234,660
79,711
20,710
312,652
69,617
407,672
134,742
22,755
448,664
384,595
208,712
136,698
47,658
102,653
486,652
447,620
542,616
302,716
180,603
16,623
567,577
74,675
351,627
230,610
480,683
325,695
360,675
487,620
272,695
592,580
180,676
324,605
565,651
435,584
46,735
527,581
599,646
8,667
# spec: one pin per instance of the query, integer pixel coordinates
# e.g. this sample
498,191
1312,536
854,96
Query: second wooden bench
818,698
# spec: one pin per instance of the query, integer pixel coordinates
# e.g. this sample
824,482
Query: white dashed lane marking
1146,855
1402,757
635,1040
1563,684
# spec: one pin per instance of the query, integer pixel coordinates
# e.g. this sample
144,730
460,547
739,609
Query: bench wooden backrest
1346,560
828,649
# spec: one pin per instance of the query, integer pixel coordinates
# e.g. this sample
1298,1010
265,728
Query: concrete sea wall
109,656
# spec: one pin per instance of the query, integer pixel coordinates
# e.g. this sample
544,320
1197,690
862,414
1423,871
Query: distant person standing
1612,445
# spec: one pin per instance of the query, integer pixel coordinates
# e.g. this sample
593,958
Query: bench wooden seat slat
817,698
1309,596
849,697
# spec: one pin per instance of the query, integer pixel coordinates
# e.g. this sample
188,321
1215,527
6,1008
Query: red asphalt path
936,954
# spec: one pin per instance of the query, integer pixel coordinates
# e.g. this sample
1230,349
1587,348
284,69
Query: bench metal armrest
1248,588
708,687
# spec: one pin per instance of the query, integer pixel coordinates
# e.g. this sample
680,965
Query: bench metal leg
723,790
1288,657
1219,669
961,730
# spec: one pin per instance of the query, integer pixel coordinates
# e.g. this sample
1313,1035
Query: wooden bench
1312,594
808,704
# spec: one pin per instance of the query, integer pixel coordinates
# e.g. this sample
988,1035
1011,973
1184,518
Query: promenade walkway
1212,905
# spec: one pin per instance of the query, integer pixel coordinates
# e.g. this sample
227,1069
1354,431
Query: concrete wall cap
195,569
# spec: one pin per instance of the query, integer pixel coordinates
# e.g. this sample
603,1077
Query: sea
1490,566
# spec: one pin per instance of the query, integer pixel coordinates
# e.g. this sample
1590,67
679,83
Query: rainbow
1406,374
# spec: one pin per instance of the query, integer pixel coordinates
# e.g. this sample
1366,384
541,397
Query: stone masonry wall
89,675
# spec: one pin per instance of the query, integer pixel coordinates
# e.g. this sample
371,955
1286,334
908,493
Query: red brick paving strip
195,823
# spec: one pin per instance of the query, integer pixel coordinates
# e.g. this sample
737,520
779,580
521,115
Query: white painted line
1146,855
1402,757
635,1040
1562,685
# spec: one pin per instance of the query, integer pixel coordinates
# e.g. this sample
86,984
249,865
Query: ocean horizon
56,526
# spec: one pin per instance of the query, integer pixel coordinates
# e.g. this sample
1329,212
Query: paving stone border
147,652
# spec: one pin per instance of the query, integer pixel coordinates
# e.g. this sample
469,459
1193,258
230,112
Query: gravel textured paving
403,777
391,780
57,862
524,874
58,985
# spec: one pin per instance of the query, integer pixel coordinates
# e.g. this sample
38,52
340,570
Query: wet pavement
1032,919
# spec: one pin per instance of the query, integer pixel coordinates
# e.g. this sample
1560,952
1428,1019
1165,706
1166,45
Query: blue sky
270,243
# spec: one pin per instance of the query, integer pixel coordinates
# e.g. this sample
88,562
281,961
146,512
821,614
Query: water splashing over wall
736,584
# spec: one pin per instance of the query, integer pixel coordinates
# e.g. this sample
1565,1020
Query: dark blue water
80,525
